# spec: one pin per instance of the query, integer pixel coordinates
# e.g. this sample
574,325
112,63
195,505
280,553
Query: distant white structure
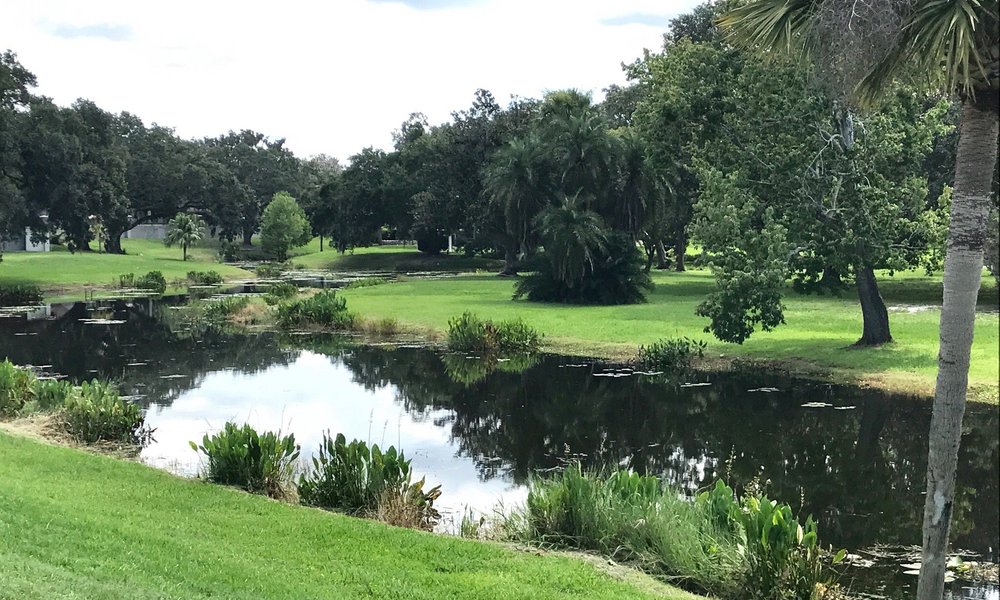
25,244
147,231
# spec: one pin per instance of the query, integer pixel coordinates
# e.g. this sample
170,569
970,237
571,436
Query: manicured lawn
75,525
389,258
818,336
59,272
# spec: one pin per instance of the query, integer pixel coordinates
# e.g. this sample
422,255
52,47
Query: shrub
16,388
222,308
229,250
283,225
204,277
152,281
280,290
98,414
616,275
19,294
672,355
633,518
269,270
49,395
469,333
356,479
260,463
367,282
324,308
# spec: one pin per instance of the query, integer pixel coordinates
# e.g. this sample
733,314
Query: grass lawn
76,525
388,258
817,338
62,273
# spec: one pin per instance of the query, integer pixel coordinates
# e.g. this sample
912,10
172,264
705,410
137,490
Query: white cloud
330,77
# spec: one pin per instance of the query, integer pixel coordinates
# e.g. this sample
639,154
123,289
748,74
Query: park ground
76,525
817,339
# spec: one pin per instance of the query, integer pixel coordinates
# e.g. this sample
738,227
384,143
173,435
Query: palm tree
184,229
574,238
517,180
956,45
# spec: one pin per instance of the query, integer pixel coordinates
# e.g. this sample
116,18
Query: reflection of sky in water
311,395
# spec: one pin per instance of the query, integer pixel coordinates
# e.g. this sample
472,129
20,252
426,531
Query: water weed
98,414
324,308
469,333
260,463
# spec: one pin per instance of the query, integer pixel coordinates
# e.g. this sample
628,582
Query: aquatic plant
19,294
152,281
98,414
469,333
671,354
324,308
49,395
269,270
358,479
260,463
367,282
224,307
16,388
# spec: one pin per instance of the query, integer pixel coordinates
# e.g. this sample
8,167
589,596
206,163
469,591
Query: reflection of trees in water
177,353
861,471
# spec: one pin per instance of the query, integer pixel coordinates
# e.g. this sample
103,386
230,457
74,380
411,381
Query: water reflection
854,458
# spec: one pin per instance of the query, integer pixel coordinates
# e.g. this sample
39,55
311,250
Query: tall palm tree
184,229
955,44
517,180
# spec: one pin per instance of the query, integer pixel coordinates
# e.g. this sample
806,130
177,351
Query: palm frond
781,25
948,39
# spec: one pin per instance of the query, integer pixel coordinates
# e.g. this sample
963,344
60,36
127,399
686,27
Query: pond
854,458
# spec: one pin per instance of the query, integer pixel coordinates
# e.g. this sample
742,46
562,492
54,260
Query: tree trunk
247,238
184,251
661,256
509,263
680,248
875,331
963,266
113,244
320,243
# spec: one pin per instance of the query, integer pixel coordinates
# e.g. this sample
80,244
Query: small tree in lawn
284,226
184,230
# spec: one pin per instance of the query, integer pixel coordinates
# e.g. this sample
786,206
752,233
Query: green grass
62,273
389,258
817,338
76,525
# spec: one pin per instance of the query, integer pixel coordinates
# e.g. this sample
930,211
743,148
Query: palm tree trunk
184,251
875,330
963,266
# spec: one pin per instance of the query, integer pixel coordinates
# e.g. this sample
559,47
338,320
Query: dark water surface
854,458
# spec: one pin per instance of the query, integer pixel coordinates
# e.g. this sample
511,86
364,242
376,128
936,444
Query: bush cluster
280,290
324,308
469,333
91,412
19,294
671,355
221,308
260,463
204,277
152,281
750,549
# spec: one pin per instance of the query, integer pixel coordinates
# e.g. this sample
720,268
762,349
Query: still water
854,458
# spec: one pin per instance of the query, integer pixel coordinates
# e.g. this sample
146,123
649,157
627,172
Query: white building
25,244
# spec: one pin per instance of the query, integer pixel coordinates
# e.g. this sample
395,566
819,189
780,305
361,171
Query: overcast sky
330,77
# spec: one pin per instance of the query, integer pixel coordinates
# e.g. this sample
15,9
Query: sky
330,77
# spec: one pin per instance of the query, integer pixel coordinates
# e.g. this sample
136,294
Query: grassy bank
61,273
817,338
75,525
389,258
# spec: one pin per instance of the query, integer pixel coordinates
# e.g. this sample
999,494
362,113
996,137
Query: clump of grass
367,282
671,354
224,307
16,388
204,277
98,414
269,270
362,480
380,327
469,333
324,308
19,294
260,463
280,290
